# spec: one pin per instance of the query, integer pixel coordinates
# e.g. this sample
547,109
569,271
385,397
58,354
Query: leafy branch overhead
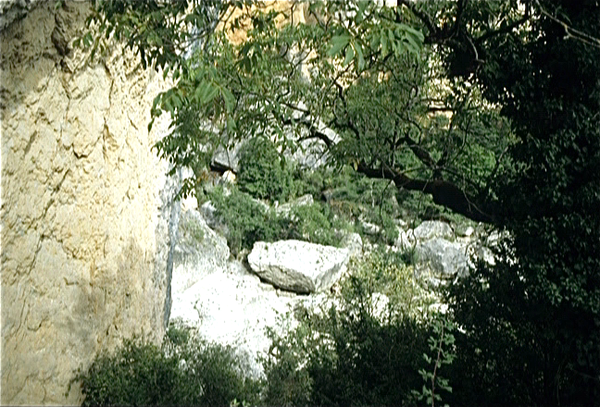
362,70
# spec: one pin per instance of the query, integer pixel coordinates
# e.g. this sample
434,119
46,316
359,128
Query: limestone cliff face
86,213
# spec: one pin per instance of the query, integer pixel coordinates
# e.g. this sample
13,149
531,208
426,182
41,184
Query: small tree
263,172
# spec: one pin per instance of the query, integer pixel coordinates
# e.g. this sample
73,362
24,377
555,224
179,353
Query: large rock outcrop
444,257
298,266
226,303
86,209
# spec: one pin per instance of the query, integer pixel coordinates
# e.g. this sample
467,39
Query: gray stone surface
198,244
444,257
228,159
354,243
209,213
301,201
406,239
370,228
432,228
298,266
12,10
226,303
230,306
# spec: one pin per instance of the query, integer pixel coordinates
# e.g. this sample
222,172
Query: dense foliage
247,221
490,108
533,322
379,342
369,346
183,371
368,78
264,173
344,202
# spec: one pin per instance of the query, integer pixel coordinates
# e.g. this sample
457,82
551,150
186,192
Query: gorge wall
87,218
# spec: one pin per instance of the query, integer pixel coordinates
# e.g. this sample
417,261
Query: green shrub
353,196
351,353
137,374
248,221
385,273
184,371
264,173
441,352
311,181
288,383
316,223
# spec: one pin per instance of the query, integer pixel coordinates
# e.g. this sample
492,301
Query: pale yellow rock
79,211
289,11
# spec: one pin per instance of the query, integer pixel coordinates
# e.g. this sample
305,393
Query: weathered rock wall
86,213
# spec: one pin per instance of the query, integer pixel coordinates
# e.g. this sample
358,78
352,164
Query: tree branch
314,133
444,193
434,31
310,126
504,29
570,31
422,154
459,14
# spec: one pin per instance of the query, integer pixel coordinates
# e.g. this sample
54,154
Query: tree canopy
365,71
492,108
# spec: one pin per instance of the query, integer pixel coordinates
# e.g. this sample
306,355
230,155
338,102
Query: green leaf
416,34
349,55
384,44
362,5
201,91
210,94
339,42
87,39
231,125
360,56
412,44
229,99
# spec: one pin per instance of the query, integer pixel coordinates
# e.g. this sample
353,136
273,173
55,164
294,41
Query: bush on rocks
183,371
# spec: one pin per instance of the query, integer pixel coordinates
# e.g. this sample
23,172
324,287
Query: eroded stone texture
85,206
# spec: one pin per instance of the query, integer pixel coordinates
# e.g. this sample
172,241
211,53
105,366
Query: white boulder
231,307
286,208
444,257
406,239
298,266
226,303
354,243
431,229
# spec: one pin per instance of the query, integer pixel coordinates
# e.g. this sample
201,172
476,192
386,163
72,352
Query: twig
570,31
437,361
